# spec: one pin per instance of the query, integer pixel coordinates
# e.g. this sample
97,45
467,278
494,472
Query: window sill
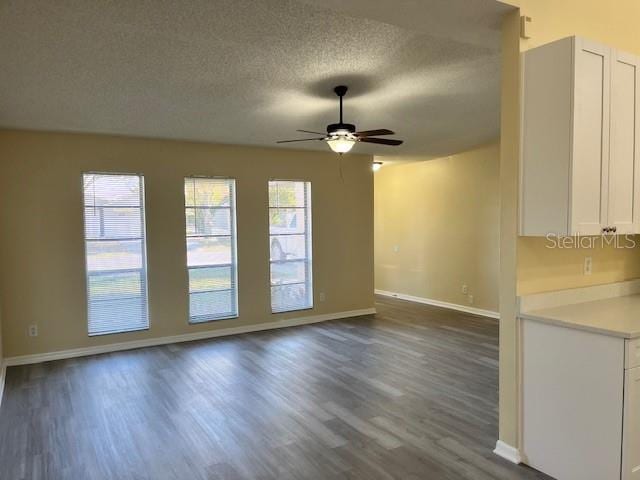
214,319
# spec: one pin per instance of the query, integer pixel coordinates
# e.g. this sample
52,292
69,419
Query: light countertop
618,316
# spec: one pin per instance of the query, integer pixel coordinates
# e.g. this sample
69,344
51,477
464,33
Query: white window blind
210,209
115,250
290,245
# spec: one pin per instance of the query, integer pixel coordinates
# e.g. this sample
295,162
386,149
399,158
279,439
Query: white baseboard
438,303
508,452
115,347
3,376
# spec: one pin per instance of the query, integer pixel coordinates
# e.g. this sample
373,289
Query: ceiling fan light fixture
375,166
340,144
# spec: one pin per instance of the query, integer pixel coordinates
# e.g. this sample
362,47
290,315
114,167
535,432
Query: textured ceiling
253,71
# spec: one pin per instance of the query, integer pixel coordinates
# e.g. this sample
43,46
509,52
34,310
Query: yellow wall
614,22
544,269
509,151
537,269
442,214
41,231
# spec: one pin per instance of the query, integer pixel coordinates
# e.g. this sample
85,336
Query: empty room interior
339,239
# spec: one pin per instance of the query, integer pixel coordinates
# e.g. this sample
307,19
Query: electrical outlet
470,297
321,297
588,265
33,330
465,289
396,248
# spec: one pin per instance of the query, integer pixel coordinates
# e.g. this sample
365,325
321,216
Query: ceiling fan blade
381,141
309,131
300,140
374,133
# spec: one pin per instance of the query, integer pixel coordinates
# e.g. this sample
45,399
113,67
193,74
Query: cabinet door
631,425
590,156
572,396
623,148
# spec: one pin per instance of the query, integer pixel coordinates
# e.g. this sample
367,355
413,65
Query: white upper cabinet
580,137
624,144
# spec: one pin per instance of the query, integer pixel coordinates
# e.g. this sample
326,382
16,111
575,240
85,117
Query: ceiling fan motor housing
341,128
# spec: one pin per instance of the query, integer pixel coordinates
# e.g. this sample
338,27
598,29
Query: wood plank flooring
410,393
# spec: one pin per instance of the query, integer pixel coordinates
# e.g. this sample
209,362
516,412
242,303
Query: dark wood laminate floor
410,393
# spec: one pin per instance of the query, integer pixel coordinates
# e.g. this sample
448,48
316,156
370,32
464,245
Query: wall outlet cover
465,289
588,265
33,330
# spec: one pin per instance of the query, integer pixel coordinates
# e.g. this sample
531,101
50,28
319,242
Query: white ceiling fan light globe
341,144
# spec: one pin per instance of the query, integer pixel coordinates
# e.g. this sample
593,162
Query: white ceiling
253,71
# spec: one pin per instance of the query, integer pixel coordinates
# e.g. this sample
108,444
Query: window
290,245
210,209
115,251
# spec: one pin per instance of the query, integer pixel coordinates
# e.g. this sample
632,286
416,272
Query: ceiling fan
342,136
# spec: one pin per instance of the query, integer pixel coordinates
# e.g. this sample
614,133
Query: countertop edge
578,326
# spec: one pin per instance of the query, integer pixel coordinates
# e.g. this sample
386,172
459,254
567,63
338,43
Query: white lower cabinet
631,426
580,403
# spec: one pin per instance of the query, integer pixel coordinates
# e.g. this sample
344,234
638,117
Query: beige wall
442,214
509,151
41,231
544,269
534,268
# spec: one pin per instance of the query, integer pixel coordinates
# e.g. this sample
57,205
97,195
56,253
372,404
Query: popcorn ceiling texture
252,72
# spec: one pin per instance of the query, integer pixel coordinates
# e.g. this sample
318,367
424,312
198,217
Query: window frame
143,270
233,241
308,234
